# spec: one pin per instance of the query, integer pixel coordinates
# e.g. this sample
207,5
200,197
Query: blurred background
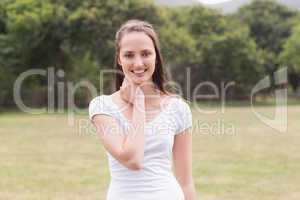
237,155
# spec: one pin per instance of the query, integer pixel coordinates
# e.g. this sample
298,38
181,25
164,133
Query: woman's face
137,57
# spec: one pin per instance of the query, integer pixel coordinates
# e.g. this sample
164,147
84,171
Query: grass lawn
43,158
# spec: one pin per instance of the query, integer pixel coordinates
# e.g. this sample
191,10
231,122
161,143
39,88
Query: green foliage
232,56
64,35
270,25
178,45
93,24
290,55
33,38
83,67
217,49
78,37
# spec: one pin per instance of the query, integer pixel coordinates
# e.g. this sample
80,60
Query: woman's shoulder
101,104
103,97
179,100
181,112
102,100
178,106
97,100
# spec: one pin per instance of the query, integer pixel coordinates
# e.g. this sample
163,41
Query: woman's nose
138,61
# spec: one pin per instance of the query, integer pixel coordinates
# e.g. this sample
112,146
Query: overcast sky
212,1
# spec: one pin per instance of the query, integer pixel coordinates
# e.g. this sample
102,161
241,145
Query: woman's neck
151,92
149,89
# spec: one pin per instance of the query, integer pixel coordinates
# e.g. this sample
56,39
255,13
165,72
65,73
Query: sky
212,1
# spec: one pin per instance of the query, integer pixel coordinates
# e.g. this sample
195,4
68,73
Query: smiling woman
143,127
143,48
137,57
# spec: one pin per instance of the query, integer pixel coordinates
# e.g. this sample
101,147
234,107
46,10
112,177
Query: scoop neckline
149,122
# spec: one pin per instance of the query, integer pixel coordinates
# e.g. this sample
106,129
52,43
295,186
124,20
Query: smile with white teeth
140,71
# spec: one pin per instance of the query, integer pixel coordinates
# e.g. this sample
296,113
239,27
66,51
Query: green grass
43,158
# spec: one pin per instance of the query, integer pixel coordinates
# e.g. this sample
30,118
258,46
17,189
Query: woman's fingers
128,89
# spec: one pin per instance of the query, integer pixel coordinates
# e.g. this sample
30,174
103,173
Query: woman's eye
128,55
146,54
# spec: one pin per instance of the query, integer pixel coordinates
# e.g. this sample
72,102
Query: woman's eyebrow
146,50
127,51
143,50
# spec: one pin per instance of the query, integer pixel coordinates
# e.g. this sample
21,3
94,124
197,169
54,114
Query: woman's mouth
139,72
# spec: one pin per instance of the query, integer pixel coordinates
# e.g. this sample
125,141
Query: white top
156,180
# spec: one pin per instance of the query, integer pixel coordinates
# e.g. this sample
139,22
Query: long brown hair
159,77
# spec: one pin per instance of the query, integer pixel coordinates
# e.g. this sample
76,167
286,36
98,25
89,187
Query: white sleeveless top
156,180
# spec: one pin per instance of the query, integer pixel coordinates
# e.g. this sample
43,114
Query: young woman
143,128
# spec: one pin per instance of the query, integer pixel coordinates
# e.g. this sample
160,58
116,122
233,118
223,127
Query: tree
222,51
270,25
290,57
52,33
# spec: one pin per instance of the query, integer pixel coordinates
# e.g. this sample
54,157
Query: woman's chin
140,81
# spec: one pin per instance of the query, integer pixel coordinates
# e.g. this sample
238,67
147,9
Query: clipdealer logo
280,119
278,122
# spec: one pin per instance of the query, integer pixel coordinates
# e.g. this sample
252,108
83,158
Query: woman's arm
134,142
182,158
127,149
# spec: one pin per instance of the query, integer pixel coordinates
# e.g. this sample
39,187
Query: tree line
77,37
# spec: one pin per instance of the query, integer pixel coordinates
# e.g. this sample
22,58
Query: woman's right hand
128,91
